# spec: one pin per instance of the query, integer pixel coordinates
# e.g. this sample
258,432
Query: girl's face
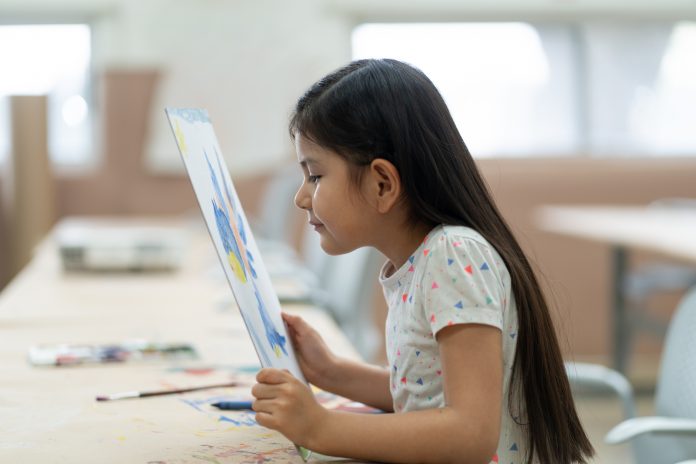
334,205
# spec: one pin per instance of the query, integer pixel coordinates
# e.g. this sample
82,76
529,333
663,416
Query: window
555,89
52,60
663,116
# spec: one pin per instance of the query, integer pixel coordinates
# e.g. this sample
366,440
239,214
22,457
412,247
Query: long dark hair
388,109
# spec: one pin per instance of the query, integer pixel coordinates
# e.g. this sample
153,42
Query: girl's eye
313,179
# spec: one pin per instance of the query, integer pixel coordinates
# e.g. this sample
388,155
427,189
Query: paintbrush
143,394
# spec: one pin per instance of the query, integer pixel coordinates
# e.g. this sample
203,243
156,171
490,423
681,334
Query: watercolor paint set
66,354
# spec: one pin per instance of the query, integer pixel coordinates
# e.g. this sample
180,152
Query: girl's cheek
317,201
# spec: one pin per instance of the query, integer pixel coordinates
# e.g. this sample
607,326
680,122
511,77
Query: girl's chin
332,248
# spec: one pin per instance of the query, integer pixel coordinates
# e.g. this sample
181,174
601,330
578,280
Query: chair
652,278
348,286
277,205
670,436
344,285
274,230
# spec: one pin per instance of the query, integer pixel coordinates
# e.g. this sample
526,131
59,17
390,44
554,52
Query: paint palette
66,354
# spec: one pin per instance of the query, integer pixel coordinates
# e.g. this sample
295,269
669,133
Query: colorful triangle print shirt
454,277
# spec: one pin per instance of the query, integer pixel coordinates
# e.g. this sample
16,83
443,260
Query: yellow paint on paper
180,140
236,266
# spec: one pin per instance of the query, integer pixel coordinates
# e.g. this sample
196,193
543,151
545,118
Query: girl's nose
303,199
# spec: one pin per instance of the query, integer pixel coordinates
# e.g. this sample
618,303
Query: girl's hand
316,359
286,404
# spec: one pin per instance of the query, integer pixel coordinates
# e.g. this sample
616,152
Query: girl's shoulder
456,243
446,235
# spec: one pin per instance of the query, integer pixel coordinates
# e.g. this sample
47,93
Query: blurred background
575,102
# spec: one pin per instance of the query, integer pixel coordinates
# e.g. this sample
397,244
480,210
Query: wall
577,273
245,61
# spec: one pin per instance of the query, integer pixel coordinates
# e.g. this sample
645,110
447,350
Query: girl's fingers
290,324
263,391
264,419
264,406
273,376
295,322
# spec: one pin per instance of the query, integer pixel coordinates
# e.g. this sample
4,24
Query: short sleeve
463,283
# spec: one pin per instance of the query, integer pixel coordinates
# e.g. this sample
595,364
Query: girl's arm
465,430
354,380
361,382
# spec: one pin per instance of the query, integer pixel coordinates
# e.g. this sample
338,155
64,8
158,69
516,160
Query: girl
475,372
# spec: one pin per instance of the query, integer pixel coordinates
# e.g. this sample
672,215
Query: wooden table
670,231
49,414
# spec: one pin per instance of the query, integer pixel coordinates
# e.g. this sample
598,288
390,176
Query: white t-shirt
454,277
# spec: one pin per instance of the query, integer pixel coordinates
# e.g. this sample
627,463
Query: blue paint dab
419,381
484,267
513,447
410,299
411,259
418,353
450,261
459,305
512,335
247,420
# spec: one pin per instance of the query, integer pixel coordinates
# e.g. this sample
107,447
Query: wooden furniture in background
667,231
30,190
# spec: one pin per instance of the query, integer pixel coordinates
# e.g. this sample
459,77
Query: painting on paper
230,233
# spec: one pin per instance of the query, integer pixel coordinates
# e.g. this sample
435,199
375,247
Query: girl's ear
385,184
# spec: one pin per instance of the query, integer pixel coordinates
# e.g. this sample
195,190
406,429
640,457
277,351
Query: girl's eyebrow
305,162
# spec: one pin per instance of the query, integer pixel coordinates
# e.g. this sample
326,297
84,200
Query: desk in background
670,231
49,414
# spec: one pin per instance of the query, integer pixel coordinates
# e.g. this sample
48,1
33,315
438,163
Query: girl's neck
399,246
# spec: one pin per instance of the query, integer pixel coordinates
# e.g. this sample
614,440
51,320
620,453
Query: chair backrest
277,205
346,288
313,257
349,281
675,394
